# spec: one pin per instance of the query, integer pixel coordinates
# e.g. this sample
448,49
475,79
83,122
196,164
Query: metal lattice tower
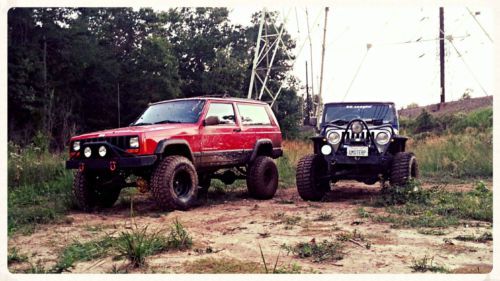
269,40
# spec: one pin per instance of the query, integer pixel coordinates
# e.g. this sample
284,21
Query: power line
468,68
478,23
368,46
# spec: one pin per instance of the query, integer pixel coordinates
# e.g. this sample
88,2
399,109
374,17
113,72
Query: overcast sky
391,70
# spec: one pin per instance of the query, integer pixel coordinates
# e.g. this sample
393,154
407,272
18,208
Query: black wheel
175,183
404,168
310,169
91,190
262,178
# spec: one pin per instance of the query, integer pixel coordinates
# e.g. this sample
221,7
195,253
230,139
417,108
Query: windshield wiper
338,122
167,121
141,124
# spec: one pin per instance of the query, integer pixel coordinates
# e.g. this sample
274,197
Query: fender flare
257,145
163,144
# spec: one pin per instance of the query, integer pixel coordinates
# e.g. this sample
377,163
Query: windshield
383,113
183,111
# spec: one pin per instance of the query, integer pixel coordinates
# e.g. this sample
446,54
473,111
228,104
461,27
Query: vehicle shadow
352,193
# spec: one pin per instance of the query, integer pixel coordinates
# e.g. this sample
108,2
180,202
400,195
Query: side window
253,115
224,111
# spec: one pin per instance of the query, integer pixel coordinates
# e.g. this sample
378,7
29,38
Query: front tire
404,168
262,178
310,169
88,192
175,183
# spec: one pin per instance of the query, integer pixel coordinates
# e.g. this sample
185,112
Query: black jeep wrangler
356,141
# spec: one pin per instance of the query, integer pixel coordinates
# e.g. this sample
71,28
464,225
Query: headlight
357,127
134,142
326,149
382,138
87,152
102,151
334,137
76,146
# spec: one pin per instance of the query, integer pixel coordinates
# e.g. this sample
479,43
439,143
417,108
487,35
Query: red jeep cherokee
175,148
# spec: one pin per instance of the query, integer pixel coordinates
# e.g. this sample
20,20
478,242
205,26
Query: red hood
135,130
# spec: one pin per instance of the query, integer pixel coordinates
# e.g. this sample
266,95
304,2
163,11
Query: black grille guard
348,125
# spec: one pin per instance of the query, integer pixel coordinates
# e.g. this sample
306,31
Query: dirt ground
233,226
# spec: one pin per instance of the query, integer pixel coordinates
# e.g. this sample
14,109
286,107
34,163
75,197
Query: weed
14,256
319,252
179,237
37,268
324,216
426,264
362,213
137,244
278,216
487,236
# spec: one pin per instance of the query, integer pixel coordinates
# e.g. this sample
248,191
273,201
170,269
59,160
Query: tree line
67,67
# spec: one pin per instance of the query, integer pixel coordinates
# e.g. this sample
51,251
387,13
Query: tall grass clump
137,244
453,145
39,187
293,150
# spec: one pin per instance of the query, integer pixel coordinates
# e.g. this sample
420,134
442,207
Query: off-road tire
404,168
309,169
169,173
262,178
88,193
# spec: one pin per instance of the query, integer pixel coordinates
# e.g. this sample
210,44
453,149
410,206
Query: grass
13,256
222,265
179,238
87,251
324,216
39,188
426,264
137,244
289,221
486,236
318,252
412,206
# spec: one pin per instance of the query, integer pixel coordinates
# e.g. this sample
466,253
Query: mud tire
262,178
89,194
175,183
404,168
309,169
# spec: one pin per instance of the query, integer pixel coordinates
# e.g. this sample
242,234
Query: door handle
237,130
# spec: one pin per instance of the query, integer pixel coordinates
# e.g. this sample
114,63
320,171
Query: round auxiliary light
357,127
76,146
334,137
87,152
382,138
102,151
326,149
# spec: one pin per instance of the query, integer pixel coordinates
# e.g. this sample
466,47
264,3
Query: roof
218,98
362,102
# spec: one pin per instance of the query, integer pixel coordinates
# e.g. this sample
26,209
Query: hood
134,130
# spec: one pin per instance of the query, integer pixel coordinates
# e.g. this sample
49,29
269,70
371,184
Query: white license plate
357,151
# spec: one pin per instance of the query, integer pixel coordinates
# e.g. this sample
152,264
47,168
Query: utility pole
308,100
320,98
441,54
118,103
311,55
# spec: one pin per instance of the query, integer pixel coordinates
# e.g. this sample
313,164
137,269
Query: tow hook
81,167
112,166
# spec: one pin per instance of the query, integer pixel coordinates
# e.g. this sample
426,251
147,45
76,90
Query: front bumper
116,163
340,159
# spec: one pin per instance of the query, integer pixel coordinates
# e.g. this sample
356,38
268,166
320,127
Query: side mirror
313,121
211,121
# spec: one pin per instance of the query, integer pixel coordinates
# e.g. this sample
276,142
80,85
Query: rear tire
404,168
175,183
262,178
309,169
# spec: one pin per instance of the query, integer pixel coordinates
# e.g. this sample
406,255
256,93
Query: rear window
252,115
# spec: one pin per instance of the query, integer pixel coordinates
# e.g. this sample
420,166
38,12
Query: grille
119,141
363,135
